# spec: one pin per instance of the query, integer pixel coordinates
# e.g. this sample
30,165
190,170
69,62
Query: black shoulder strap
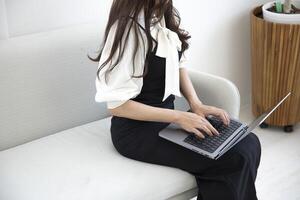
141,27
137,23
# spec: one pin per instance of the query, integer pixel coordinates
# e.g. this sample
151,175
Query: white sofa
55,139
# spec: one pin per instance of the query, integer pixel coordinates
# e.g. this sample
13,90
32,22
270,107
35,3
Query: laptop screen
262,117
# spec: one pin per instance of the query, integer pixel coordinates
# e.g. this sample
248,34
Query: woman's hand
192,122
204,110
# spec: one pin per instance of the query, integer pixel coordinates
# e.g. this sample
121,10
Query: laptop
215,146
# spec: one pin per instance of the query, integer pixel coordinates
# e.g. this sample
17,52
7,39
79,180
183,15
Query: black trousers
231,177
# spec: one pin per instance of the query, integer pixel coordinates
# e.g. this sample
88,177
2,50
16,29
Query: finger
212,128
202,126
206,129
222,115
198,133
227,117
223,118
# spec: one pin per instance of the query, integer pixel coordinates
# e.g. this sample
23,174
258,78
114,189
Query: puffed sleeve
183,61
120,86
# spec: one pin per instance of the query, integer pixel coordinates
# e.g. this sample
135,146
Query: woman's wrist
195,103
178,113
177,116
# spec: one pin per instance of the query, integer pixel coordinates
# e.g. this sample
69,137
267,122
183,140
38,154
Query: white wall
3,21
220,29
29,16
220,42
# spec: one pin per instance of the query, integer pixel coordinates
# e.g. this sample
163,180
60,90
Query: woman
141,69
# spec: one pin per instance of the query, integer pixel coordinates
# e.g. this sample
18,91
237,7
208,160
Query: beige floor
279,171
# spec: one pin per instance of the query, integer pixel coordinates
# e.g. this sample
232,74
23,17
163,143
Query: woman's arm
188,91
187,88
139,111
190,122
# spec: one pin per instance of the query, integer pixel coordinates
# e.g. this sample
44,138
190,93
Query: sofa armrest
216,91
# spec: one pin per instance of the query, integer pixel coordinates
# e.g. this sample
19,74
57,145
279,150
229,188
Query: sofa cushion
81,163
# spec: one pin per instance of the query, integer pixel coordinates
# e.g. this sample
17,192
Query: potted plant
287,12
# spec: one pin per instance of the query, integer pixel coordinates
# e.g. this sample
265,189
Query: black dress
231,177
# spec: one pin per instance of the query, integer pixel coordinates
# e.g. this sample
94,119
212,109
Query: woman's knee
255,141
248,147
249,142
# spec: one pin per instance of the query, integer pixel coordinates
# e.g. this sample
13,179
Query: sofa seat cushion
82,164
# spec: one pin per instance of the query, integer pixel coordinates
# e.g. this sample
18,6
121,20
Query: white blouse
120,87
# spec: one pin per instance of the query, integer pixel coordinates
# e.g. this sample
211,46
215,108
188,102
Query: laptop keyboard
211,143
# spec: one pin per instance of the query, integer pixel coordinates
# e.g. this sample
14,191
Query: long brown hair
122,9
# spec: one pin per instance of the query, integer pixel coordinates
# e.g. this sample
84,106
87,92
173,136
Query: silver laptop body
176,134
